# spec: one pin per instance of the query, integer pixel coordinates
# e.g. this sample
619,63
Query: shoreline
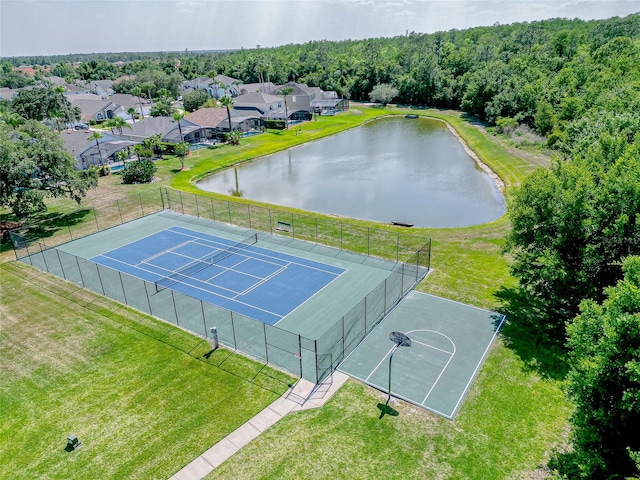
483,166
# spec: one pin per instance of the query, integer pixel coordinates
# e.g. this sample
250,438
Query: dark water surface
391,169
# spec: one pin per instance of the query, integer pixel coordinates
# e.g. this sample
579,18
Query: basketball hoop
400,340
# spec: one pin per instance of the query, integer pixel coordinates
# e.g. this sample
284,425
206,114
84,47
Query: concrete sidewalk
303,395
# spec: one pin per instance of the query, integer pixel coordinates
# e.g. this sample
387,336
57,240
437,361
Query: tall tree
178,116
34,164
604,382
137,91
41,103
383,93
116,122
284,91
131,111
227,102
96,136
572,224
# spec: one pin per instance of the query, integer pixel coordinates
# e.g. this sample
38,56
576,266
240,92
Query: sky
53,27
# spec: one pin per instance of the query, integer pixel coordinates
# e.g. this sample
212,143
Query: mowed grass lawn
512,419
137,392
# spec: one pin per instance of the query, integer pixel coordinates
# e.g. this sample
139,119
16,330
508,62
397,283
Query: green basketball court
449,342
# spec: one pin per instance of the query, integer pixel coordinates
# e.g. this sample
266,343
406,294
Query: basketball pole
395,347
400,340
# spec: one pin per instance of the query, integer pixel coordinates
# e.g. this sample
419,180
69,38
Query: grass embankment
507,426
138,393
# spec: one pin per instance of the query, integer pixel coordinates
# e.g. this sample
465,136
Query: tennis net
198,265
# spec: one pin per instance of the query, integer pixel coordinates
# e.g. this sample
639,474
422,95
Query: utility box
72,443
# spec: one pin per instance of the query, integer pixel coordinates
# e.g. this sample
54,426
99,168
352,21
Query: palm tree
13,119
177,117
227,102
153,142
137,91
117,122
132,111
284,91
97,136
163,94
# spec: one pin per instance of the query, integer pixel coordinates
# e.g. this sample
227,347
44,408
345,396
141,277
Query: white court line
480,362
380,363
264,280
451,355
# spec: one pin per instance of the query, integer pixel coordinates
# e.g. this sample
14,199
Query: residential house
298,102
147,127
104,88
214,122
8,93
167,127
329,104
259,102
216,87
96,110
87,153
127,101
264,87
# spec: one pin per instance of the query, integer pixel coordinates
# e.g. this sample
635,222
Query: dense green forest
570,86
554,76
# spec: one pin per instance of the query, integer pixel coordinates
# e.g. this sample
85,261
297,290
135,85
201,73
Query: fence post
181,201
204,320
249,214
397,246
270,222
146,293
229,208
368,240
233,331
384,311
340,236
95,216
119,212
64,275
213,211
175,309
316,229
266,346
161,198
141,206
100,279
293,230
197,207
315,349
429,257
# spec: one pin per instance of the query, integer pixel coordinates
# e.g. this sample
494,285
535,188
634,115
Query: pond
395,169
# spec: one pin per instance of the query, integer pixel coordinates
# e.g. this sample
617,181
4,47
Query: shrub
506,125
139,172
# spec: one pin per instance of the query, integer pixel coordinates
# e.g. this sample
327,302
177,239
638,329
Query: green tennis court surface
449,342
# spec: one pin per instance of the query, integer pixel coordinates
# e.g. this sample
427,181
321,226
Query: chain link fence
312,359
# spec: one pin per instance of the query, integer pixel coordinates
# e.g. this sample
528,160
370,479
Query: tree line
575,235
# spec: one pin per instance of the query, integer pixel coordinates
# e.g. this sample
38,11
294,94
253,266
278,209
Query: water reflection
392,169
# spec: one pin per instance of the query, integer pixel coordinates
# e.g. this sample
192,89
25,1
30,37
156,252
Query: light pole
400,340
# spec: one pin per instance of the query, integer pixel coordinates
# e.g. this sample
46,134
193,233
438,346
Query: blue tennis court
240,276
